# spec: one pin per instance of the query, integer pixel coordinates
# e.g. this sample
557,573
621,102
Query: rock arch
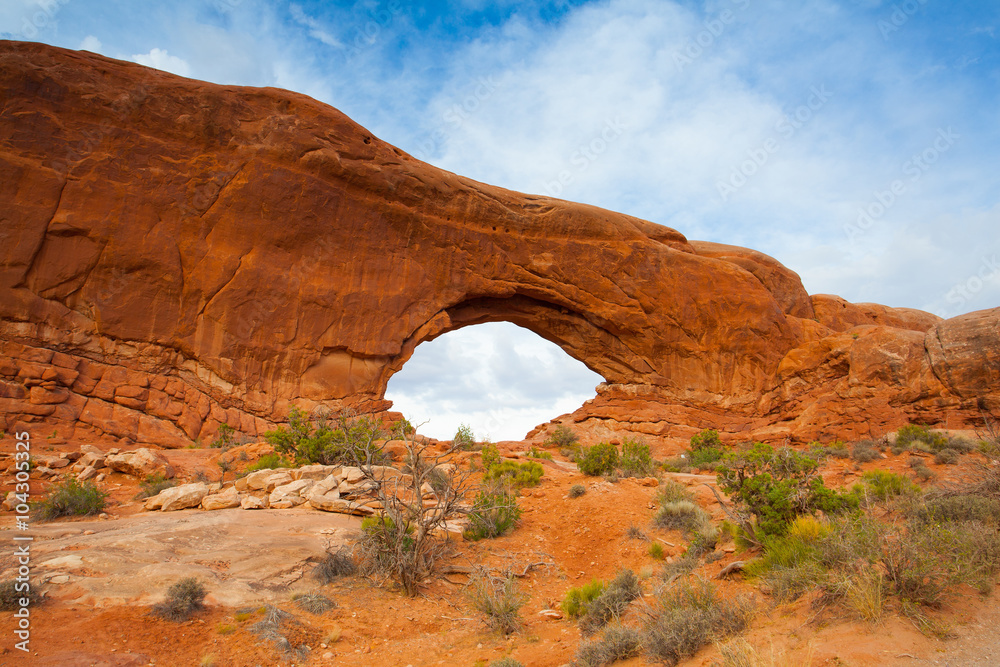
183,255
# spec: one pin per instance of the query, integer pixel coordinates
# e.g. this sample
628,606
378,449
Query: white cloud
91,43
161,60
500,379
316,29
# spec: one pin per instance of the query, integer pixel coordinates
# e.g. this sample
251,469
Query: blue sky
853,140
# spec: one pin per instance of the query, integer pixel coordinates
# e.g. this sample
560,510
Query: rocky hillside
179,255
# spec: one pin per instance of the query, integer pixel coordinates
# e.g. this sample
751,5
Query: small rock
252,503
87,473
178,497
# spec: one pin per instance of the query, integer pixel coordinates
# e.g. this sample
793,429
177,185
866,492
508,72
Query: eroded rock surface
180,255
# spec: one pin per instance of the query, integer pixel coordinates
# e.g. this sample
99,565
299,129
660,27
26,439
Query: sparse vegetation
225,437
563,437
498,599
513,474
635,460
464,437
71,498
601,459
865,451
578,600
317,440
706,449
334,564
494,512
689,616
577,490
611,603
672,491
11,597
270,461
617,642
183,599
920,438
539,454
884,485
506,662
656,551
946,456
681,515
152,485
314,603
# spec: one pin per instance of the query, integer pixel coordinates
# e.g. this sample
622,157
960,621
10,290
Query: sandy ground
101,576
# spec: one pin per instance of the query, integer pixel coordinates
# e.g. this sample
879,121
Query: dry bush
314,603
610,604
183,599
681,515
690,616
617,642
338,563
577,490
497,597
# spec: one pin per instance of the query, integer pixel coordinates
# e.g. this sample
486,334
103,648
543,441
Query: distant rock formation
178,255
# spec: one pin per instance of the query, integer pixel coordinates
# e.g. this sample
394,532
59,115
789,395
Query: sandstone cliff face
178,255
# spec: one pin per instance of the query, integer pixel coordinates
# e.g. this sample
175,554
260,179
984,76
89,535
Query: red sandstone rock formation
179,255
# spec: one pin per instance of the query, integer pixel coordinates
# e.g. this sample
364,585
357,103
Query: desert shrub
506,661
316,440
152,485
864,451
851,539
71,498
563,438
635,460
789,565
611,603
11,597
772,487
672,491
923,473
634,532
494,512
498,599
183,599
577,490
334,564
516,475
656,551
314,603
884,485
706,449
689,616
270,461
681,515
601,459
915,461
705,537
617,642
385,549
947,456
862,589
838,451
676,464
539,454
958,508
225,437
913,435
464,437
577,600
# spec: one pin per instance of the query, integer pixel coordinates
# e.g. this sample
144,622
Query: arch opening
499,378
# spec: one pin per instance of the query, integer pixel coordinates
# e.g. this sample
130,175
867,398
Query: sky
853,140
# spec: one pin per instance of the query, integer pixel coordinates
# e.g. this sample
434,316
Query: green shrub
947,456
224,437
838,451
775,486
562,437
790,565
706,449
578,600
71,498
577,490
464,437
676,464
270,461
635,461
618,642
690,616
601,459
611,603
11,597
153,484
516,475
923,473
489,455
912,436
864,451
885,485
348,440
499,600
494,512
183,599
539,454
656,551
506,662
915,461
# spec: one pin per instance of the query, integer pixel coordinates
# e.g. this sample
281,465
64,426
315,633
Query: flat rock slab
242,557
